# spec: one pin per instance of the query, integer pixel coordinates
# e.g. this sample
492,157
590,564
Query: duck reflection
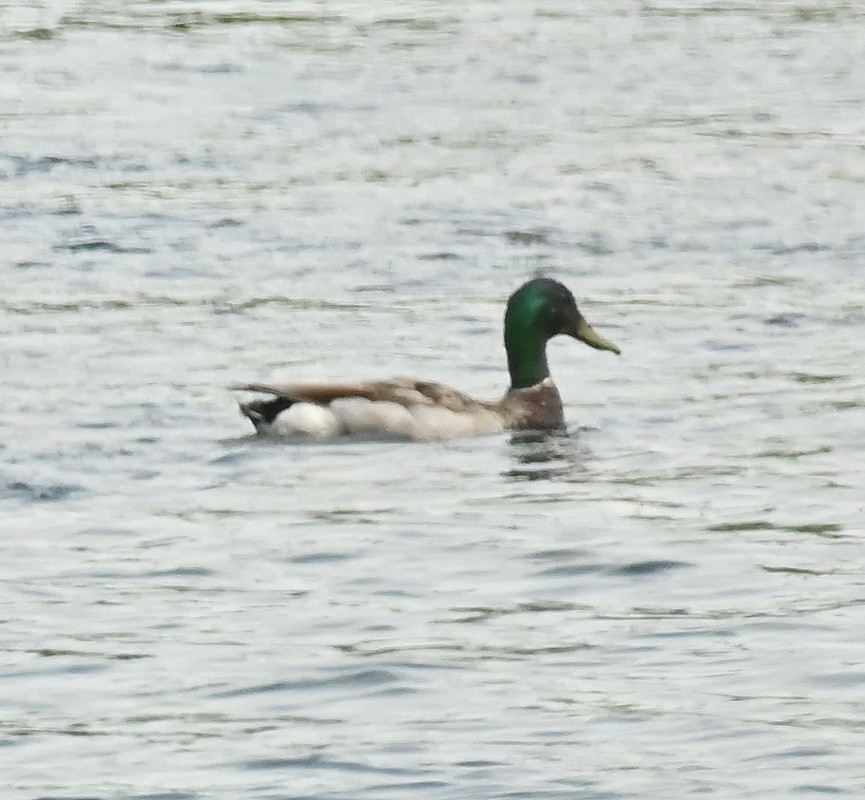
545,455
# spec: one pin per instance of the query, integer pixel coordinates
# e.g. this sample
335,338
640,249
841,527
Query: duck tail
262,413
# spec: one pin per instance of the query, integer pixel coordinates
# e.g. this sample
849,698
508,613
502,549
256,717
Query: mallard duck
416,409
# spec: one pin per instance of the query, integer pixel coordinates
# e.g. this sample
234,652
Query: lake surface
668,602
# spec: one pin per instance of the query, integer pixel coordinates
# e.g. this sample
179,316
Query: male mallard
406,407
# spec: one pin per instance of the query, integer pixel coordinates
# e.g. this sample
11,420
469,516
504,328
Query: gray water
669,602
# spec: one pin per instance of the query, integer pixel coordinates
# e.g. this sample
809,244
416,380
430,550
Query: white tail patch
306,419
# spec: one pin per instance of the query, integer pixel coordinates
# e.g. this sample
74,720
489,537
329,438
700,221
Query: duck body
399,408
408,408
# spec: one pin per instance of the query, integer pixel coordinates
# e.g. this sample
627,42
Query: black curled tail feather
264,412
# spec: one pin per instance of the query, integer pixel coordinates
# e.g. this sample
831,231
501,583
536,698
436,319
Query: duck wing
403,391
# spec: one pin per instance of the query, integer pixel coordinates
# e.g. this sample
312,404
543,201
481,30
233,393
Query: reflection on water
544,455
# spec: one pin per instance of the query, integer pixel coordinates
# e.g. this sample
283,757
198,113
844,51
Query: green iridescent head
540,309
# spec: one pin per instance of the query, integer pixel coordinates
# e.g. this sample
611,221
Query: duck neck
527,354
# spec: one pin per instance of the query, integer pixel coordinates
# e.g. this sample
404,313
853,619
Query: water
666,603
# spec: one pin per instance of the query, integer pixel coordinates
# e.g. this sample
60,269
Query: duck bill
586,333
